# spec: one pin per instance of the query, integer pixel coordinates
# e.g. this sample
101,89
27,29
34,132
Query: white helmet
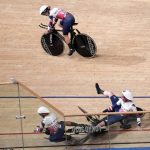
42,110
50,120
127,94
43,8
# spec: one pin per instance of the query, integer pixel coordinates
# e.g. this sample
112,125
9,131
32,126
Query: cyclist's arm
50,24
55,21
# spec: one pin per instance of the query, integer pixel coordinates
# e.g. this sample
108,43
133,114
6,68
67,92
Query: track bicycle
53,42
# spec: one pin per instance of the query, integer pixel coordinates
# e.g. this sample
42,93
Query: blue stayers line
133,148
144,97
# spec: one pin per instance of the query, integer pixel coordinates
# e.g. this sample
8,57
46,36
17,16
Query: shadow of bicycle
115,60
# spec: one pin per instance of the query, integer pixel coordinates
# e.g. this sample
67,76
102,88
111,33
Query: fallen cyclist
51,126
123,104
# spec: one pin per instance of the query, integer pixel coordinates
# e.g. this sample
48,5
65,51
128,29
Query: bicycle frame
72,31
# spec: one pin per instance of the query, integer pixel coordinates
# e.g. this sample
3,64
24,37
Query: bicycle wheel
52,44
84,45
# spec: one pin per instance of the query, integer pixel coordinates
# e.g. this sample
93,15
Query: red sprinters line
127,130
130,130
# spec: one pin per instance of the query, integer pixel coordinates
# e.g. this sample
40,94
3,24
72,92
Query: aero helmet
43,8
127,94
42,110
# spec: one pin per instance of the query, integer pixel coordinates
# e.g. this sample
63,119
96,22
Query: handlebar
46,27
43,26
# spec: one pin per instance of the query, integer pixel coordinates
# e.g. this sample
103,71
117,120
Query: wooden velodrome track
121,30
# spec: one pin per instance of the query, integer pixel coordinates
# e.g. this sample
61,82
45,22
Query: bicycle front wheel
52,44
84,45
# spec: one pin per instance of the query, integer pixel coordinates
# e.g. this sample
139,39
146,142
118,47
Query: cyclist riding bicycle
66,22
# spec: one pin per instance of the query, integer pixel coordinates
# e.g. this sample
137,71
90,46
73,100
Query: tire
84,45
52,44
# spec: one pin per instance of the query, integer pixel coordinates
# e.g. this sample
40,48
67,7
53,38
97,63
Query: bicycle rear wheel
52,44
84,45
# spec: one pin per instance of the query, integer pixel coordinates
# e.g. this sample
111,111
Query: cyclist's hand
52,29
38,130
49,28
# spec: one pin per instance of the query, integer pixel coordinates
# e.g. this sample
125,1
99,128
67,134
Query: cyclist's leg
111,119
67,24
114,119
112,97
